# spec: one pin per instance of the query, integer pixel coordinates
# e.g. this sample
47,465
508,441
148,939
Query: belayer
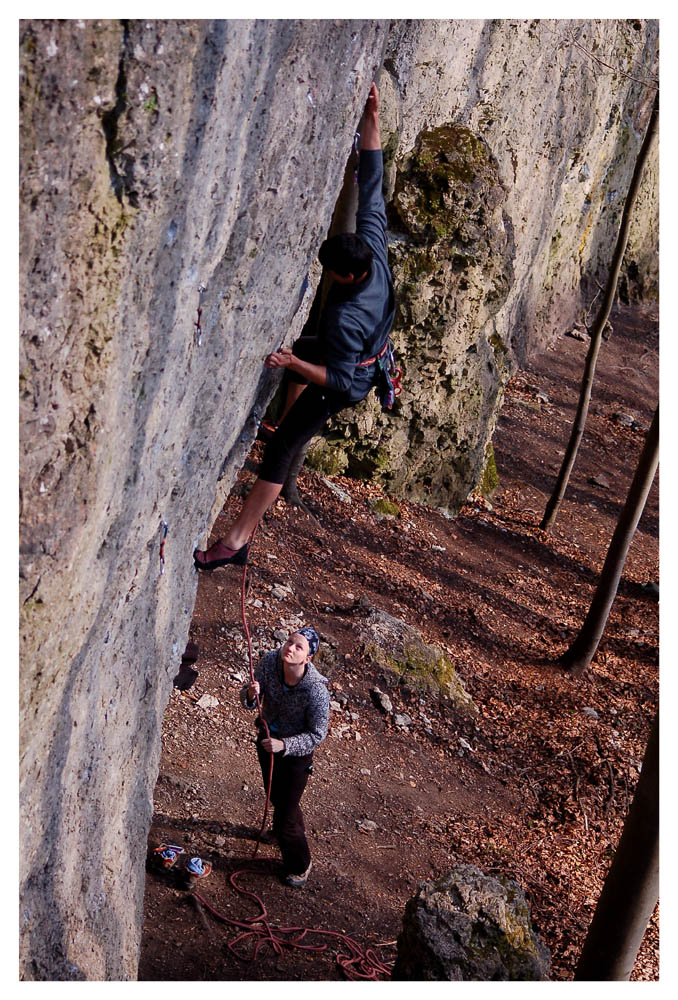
337,368
295,703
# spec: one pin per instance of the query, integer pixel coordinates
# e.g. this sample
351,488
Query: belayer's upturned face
295,650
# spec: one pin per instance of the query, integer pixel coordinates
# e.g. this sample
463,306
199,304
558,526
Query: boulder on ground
397,647
468,926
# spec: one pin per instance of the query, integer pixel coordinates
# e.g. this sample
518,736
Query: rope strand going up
258,700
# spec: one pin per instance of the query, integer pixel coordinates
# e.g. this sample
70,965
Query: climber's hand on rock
369,123
372,105
279,359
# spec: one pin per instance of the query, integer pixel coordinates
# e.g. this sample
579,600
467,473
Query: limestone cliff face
155,157
161,157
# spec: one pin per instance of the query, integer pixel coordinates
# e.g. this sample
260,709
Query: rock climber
338,367
295,703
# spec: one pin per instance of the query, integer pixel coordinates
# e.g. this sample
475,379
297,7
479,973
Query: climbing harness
388,386
370,361
198,328
164,526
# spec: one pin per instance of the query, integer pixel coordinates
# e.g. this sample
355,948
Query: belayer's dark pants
290,775
306,418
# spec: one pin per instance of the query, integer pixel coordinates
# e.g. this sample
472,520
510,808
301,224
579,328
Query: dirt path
542,792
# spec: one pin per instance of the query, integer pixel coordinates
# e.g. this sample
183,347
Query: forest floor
536,786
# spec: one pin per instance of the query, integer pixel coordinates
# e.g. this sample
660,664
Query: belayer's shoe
297,881
202,560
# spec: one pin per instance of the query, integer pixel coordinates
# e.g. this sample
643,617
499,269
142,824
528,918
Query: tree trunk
582,650
290,490
597,330
631,888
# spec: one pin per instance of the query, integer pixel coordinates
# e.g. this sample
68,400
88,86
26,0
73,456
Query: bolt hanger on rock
164,526
198,328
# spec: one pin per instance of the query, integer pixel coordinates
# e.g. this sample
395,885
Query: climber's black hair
346,254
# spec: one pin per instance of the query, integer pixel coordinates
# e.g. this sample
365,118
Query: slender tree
582,650
599,325
631,888
290,490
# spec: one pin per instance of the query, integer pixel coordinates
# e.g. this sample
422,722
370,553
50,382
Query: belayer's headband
311,637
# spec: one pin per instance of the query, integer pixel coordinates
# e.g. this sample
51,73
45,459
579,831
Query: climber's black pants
306,418
290,775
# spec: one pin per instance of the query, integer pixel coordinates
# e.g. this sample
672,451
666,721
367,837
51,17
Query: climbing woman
338,366
295,703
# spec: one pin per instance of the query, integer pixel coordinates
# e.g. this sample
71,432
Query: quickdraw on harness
388,386
198,328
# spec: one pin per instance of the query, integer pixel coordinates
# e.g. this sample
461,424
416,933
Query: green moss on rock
489,481
329,459
431,195
469,926
396,647
384,506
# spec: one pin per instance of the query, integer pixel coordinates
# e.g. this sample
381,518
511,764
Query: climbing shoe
202,560
166,855
196,868
297,881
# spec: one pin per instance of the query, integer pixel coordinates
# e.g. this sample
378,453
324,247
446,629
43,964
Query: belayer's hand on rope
272,745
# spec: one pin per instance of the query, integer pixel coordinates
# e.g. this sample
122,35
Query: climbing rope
262,720
356,963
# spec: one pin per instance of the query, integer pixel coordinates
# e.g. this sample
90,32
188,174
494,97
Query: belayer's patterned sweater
297,715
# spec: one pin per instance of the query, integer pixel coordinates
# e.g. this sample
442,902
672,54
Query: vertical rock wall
155,156
159,156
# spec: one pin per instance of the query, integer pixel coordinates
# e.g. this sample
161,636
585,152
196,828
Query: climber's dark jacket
357,319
